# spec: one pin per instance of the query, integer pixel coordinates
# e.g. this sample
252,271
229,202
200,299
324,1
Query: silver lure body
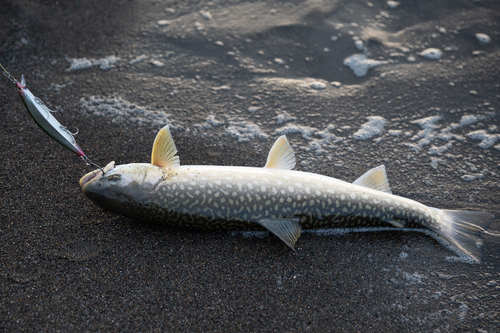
45,120
275,198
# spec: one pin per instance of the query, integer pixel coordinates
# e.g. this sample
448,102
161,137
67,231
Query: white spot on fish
353,196
364,196
290,189
342,197
263,189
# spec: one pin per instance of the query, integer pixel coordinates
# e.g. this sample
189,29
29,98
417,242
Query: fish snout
96,174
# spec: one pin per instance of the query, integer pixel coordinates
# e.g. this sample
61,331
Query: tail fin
463,230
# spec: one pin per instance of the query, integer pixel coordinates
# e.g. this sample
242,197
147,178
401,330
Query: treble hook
77,131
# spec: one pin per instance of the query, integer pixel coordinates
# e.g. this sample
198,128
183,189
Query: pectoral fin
164,150
376,179
286,229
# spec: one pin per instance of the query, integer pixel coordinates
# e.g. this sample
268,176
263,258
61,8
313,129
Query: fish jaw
122,187
96,174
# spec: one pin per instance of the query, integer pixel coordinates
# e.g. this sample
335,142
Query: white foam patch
284,117
84,63
360,64
428,132
432,53
244,131
487,140
414,278
434,150
328,139
122,111
373,127
483,38
446,135
472,119
138,59
305,131
318,141
470,178
210,122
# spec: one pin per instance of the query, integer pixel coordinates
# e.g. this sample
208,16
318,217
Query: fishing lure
42,115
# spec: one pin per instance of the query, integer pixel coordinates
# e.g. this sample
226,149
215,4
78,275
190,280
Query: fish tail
463,230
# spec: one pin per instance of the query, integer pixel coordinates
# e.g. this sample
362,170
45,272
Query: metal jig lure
42,115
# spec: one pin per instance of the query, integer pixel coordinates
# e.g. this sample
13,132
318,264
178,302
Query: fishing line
8,75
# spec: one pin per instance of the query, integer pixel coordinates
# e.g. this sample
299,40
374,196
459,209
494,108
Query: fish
274,198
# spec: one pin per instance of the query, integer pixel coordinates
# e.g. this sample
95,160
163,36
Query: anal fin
286,229
397,224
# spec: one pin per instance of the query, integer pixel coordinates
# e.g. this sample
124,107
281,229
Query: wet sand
230,82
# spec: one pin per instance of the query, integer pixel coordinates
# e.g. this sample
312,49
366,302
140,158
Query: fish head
121,187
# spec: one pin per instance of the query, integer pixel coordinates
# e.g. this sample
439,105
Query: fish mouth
96,174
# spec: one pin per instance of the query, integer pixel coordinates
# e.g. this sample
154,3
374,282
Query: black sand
66,266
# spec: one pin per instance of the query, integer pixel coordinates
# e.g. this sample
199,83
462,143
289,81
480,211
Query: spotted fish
274,197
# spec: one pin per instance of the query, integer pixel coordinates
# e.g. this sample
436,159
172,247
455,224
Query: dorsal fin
164,150
281,155
376,179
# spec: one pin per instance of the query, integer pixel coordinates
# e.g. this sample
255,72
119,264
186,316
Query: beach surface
413,85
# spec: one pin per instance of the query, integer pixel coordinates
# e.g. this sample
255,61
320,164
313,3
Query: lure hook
77,131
